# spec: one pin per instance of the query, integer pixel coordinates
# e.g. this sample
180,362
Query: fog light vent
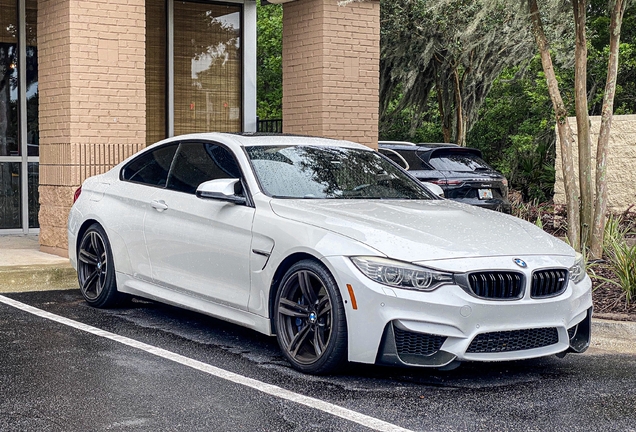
412,343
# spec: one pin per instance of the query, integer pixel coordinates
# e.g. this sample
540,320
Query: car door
200,247
140,178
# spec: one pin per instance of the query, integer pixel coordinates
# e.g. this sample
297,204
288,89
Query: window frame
144,153
204,142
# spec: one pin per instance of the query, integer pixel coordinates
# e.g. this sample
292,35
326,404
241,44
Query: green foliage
451,50
615,231
269,57
621,256
516,131
514,127
409,125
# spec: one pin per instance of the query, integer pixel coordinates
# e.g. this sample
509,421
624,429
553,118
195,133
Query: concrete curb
613,336
37,278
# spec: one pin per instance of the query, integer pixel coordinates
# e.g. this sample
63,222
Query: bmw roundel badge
521,263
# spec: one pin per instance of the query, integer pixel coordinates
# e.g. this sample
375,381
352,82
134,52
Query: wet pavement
55,377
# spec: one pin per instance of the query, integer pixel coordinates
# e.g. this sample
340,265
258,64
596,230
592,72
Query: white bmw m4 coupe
331,247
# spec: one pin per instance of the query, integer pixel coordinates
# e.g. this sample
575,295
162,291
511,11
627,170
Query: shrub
621,256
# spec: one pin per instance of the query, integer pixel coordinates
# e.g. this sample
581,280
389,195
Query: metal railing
270,126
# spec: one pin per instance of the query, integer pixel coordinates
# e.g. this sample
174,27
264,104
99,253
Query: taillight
446,182
77,194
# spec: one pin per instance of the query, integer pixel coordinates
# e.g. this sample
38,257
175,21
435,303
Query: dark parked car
459,171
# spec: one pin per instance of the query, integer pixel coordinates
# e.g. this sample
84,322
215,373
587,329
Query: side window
152,167
196,163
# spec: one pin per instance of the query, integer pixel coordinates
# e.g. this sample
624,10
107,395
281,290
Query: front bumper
413,328
421,349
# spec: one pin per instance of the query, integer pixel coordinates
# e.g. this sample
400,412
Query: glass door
19,131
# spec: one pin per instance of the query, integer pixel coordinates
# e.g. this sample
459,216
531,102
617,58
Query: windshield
458,162
330,172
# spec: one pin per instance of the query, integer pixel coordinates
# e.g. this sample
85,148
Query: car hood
424,230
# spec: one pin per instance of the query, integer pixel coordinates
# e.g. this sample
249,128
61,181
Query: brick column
91,56
331,58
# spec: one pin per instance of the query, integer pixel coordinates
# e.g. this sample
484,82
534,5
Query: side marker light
354,304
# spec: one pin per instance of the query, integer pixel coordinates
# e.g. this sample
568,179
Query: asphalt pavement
65,366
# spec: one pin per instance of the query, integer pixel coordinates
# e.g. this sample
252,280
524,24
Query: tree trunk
600,207
446,130
583,120
563,128
460,135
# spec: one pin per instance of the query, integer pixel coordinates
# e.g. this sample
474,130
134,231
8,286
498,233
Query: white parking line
347,414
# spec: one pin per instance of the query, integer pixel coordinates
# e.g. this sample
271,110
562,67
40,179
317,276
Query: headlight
577,271
400,274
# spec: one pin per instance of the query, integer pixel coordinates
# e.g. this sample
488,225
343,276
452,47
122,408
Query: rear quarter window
458,162
150,168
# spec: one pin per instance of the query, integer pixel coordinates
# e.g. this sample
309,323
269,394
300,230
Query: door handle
159,205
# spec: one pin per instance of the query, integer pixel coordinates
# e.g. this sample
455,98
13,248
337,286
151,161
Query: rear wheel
310,319
95,269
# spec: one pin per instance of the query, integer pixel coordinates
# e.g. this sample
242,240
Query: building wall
92,99
621,163
331,58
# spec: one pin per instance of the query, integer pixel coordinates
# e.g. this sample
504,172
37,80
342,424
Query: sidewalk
24,268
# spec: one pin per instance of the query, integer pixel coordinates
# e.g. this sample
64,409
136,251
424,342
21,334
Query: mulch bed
609,298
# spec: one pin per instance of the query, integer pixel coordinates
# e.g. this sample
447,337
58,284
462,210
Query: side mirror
222,189
436,189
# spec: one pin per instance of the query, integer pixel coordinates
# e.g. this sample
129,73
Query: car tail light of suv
447,182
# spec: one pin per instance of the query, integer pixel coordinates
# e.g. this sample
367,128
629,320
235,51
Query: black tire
95,268
310,319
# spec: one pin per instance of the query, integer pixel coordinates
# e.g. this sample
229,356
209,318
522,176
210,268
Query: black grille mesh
496,285
424,344
549,283
515,340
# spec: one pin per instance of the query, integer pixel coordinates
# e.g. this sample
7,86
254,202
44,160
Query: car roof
412,144
404,145
427,150
393,143
265,139
437,145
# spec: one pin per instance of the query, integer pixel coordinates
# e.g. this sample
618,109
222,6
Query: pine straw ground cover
608,297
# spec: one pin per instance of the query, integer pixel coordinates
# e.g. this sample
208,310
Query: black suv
459,171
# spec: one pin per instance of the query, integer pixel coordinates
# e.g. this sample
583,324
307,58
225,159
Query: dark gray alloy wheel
95,269
310,319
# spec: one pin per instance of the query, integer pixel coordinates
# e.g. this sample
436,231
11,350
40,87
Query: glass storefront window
207,68
8,78
207,76
32,94
10,195
34,194
156,34
19,151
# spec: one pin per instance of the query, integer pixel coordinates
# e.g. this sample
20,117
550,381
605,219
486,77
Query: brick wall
92,98
621,163
331,60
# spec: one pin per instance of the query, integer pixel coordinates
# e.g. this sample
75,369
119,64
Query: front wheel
95,269
310,320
